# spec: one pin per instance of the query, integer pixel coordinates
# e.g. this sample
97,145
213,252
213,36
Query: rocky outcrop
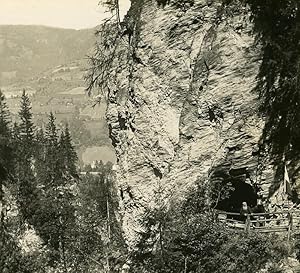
184,105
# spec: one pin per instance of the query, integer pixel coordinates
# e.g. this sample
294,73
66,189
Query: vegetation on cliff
185,236
178,238
42,194
276,26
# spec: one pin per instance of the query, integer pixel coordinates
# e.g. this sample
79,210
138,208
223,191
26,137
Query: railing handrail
285,221
287,212
227,213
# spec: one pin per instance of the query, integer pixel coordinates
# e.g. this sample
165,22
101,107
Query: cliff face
184,105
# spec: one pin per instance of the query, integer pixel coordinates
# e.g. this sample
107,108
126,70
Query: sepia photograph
149,136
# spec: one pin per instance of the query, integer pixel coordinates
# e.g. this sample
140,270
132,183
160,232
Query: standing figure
245,211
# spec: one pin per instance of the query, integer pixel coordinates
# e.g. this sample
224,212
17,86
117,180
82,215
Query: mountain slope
49,64
28,50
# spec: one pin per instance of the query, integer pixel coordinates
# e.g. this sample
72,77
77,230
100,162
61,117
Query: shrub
180,239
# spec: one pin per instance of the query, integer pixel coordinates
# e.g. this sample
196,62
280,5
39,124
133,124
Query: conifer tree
6,165
48,179
25,149
68,154
5,133
53,172
113,6
26,125
15,132
5,148
40,169
56,218
40,154
51,132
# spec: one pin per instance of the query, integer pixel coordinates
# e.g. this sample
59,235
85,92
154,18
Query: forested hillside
52,218
49,63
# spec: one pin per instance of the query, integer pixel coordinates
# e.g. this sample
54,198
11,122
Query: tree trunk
185,264
2,205
118,12
64,254
108,225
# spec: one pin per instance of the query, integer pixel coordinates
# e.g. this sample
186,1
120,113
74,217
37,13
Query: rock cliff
183,105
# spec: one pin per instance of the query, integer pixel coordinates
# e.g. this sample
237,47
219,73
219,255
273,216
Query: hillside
49,63
25,51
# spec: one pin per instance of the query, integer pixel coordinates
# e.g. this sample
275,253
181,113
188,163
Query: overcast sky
76,14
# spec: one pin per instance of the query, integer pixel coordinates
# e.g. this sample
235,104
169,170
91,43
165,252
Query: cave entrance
242,192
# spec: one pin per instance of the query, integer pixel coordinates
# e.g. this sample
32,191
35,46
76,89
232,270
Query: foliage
5,141
11,258
70,216
180,239
206,194
113,6
101,68
115,40
276,25
54,219
97,211
26,126
24,139
67,153
110,4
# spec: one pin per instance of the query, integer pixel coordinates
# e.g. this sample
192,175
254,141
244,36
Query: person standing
245,211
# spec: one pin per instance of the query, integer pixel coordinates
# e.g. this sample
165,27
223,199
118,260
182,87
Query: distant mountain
49,64
26,51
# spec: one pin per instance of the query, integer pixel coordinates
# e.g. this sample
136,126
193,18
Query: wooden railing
92,173
279,221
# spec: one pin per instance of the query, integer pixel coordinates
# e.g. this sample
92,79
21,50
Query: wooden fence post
247,223
290,227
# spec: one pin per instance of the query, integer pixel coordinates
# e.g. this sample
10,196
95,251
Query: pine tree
113,6
40,169
40,154
51,132
25,141
4,116
56,218
6,166
68,154
26,125
97,209
16,132
53,172
25,131
6,159
48,179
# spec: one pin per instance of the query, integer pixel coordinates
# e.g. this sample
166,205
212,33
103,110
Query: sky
77,14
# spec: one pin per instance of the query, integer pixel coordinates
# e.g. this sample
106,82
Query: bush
182,240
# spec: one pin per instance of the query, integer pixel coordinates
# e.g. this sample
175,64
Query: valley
53,77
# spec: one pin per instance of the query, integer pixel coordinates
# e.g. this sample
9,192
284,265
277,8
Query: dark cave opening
242,192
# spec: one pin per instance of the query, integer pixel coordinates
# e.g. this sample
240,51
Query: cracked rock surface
187,107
